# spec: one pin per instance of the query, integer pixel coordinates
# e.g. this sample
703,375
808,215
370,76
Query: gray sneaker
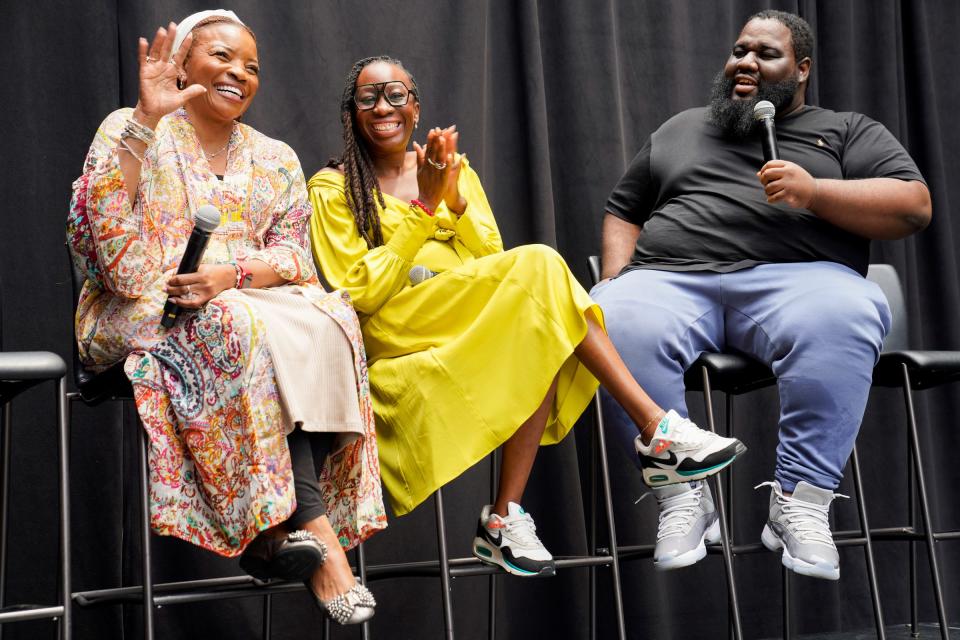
799,525
688,519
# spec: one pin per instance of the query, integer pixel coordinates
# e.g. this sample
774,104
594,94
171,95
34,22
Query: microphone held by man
764,112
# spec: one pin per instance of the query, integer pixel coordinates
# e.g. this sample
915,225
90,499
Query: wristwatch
244,277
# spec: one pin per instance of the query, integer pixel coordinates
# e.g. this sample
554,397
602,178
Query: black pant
308,452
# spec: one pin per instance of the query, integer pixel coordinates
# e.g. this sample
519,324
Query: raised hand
159,94
451,195
433,168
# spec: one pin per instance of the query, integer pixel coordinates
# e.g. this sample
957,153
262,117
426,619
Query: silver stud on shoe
351,607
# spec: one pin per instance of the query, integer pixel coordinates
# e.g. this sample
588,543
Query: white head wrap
187,24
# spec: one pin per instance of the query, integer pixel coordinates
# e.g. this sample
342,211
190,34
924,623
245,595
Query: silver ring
149,59
439,166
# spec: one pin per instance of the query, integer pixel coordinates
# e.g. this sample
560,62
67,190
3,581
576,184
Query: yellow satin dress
459,361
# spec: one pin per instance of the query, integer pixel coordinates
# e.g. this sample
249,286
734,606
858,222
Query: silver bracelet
127,148
141,132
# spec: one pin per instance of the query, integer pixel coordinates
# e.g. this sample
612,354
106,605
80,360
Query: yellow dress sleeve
370,276
477,228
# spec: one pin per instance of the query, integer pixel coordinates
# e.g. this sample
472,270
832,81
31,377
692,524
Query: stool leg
725,545
924,505
362,570
592,524
868,546
5,440
492,584
787,627
63,436
611,526
444,567
267,616
146,572
912,545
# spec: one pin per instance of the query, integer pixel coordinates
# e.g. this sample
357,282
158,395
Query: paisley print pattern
206,390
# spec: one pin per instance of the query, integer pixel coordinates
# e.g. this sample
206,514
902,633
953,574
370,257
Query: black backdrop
552,99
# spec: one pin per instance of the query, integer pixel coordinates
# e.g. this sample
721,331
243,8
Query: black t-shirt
702,208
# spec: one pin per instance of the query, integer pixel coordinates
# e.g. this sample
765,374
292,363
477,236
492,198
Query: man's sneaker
681,452
511,542
799,526
688,519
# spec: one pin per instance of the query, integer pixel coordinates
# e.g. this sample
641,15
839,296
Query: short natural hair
800,32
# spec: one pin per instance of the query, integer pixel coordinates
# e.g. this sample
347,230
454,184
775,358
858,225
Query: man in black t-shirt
706,250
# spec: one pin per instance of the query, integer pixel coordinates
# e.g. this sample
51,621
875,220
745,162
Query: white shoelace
677,513
522,530
807,521
687,435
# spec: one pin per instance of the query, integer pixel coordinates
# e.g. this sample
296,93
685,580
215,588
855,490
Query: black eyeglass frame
380,86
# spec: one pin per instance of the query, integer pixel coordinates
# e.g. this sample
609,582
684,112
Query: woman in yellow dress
497,349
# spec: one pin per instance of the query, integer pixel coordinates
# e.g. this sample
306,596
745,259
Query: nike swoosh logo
496,540
660,463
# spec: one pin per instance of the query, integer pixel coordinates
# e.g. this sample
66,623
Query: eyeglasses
394,92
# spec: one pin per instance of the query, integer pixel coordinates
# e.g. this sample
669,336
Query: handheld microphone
205,221
763,112
419,273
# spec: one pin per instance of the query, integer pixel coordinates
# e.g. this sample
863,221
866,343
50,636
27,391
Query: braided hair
360,180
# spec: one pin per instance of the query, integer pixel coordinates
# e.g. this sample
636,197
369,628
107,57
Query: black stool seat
729,372
20,370
927,368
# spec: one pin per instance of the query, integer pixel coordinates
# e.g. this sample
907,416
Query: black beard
735,117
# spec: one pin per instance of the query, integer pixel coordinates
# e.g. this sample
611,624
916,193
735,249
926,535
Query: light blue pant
818,325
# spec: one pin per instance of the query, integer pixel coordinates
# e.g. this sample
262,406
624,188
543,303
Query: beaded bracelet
419,204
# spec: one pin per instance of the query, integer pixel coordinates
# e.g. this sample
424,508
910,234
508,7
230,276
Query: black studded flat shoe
294,557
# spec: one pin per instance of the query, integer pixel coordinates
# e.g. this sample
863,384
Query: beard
735,117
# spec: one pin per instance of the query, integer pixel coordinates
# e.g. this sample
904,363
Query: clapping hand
451,195
433,168
159,93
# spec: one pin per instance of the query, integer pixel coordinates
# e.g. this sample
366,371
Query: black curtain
552,98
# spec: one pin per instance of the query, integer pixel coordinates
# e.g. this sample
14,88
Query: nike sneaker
799,524
688,522
679,451
511,542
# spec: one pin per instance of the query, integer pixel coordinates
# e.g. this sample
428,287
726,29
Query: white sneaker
511,542
688,520
679,451
800,526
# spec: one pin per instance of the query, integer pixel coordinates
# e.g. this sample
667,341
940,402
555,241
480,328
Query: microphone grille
419,273
764,109
207,218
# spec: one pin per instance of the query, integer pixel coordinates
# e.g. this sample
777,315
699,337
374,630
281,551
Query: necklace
221,149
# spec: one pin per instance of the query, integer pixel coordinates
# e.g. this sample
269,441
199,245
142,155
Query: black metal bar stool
911,370
112,385
447,568
19,371
736,374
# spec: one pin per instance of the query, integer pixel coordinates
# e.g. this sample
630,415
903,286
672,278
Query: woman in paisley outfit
257,446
